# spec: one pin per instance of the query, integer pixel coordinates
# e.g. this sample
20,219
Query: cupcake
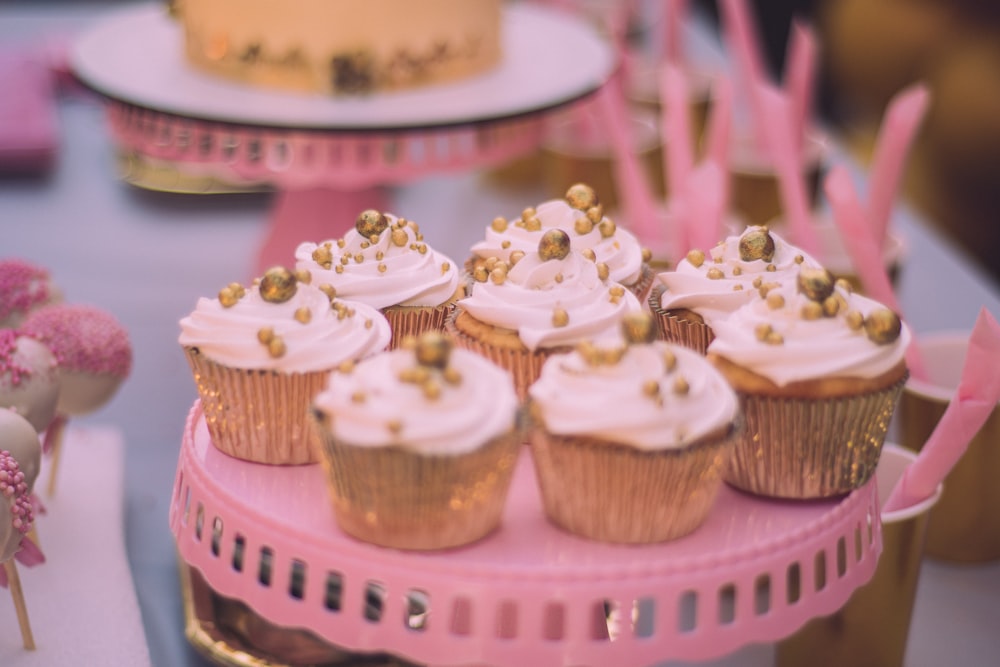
29,380
818,370
260,354
23,288
707,287
543,302
592,233
630,442
385,263
419,445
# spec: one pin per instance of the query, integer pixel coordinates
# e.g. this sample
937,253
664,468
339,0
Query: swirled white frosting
388,274
372,407
690,286
610,401
534,289
812,349
229,336
621,251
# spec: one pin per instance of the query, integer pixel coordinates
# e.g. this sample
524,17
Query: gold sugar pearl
228,297
369,323
323,256
278,285
681,386
371,223
882,326
558,278
359,258
341,243
358,397
775,301
855,320
303,315
715,274
651,388
831,306
498,275
616,291
799,259
717,260
612,355
276,347
238,290
415,375
346,367
451,375
433,349
445,267
533,225
499,224
737,287
581,196
765,288
265,335
603,271
379,256
774,338
638,327
303,276
595,213
395,426
669,361
589,254
422,248
762,331
329,290
647,254
756,244
588,352
528,213
373,239
505,244
757,282
431,389
844,284
490,263
382,267
554,244
770,268
344,259
607,227
696,258
338,269
815,284
560,317
480,274
812,311
365,245
516,257
583,226
399,237
737,271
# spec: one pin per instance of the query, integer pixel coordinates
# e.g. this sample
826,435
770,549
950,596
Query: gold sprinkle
560,317
775,301
422,248
344,259
491,262
381,267
415,375
380,255
558,278
799,259
323,256
451,375
737,271
505,244
589,254
359,258
339,268
717,260
445,267
499,274
607,227
595,213
831,306
602,271
774,338
303,315
394,426
227,297
346,367
369,323
365,245
738,287
681,386
583,226
696,258
758,281
499,224
480,274
341,243
373,239
762,331
855,320
669,361
265,335
276,347
756,244
358,397
812,311
715,274
329,290
616,290
516,257
771,268
651,388
399,237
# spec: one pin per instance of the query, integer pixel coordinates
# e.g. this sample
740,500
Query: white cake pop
29,379
19,439
23,288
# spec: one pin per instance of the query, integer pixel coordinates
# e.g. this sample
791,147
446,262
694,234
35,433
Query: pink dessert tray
528,594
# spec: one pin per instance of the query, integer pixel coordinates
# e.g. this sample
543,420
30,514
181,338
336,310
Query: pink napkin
976,397
705,206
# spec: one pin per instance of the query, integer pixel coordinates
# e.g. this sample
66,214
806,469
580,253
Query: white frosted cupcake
419,445
630,442
818,370
547,301
261,353
581,216
706,287
385,263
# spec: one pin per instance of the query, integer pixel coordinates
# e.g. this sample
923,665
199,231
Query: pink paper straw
974,400
630,179
788,166
800,79
902,118
675,121
743,45
675,13
852,221
720,126
706,205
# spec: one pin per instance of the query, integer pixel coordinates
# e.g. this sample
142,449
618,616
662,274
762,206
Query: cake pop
93,354
29,381
18,442
23,288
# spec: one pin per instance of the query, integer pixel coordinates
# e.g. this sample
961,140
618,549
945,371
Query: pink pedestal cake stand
529,594
327,156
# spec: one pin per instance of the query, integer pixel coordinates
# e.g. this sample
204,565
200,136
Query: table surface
147,257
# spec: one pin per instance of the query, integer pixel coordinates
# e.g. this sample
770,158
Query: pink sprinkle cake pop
20,440
92,351
29,380
23,288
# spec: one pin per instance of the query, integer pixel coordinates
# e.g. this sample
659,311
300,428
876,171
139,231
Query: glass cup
871,630
965,525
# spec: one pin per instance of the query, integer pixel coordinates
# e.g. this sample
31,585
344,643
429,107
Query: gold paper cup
399,498
258,415
871,630
673,328
612,492
965,525
801,448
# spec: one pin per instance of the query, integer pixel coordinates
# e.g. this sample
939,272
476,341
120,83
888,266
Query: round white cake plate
328,155
529,594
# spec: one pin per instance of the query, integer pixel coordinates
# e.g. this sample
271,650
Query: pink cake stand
328,156
529,594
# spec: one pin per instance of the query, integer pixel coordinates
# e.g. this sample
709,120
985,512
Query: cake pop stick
800,79
902,118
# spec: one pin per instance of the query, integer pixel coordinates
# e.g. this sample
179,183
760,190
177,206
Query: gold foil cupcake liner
640,288
395,497
613,492
524,365
415,320
810,448
673,329
258,415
